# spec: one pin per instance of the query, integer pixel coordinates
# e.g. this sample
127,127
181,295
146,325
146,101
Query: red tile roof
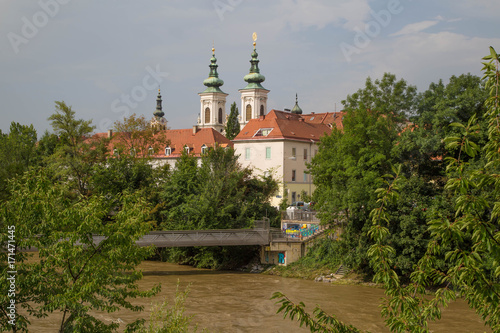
184,137
179,139
291,126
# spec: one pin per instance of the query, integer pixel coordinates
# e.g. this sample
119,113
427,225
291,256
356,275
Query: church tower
159,122
254,95
213,100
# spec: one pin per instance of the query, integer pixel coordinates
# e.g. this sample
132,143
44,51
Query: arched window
168,151
248,112
262,110
207,115
220,115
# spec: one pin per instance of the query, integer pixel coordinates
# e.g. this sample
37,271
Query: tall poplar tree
232,125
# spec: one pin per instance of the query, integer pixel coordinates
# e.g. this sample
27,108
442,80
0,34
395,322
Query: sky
107,58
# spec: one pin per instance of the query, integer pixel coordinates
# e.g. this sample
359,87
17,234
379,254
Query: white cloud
415,28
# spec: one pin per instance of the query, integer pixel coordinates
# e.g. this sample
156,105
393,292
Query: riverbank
323,275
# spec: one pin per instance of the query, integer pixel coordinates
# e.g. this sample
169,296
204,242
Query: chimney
110,133
195,129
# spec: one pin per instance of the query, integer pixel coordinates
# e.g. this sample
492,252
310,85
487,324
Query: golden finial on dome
254,37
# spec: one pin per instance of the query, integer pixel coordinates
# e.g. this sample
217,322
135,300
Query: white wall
282,163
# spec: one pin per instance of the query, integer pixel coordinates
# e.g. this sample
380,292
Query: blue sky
106,58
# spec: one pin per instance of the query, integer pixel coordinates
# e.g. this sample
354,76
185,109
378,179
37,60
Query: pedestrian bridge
258,235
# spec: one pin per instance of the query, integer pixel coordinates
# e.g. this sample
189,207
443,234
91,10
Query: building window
168,151
204,149
151,151
262,110
305,177
187,149
293,175
294,153
207,115
248,112
268,153
305,154
294,196
263,132
247,153
220,115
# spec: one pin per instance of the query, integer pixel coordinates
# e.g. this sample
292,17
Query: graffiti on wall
295,230
281,258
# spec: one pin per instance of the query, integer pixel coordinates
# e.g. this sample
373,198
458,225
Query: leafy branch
320,321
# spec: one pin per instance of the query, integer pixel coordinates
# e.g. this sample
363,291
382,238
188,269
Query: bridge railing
299,215
262,224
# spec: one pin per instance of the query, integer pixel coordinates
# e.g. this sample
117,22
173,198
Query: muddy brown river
239,302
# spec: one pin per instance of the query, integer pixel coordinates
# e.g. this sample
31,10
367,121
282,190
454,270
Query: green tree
136,137
350,162
218,194
17,153
74,274
388,96
232,125
467,240
77,151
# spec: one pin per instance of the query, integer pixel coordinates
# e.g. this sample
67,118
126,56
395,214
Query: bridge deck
186,238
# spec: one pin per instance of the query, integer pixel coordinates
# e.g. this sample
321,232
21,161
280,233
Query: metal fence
299,215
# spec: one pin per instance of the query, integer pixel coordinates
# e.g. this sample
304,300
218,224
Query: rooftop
285,125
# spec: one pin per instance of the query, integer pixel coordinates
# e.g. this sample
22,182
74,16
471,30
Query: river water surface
240,302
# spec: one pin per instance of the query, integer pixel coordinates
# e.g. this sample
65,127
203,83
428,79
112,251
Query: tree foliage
17,154
232,124
350,162
76,153
218,194
462,254
74,274
136,137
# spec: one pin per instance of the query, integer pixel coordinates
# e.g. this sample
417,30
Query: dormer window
115,152
204,149
263,132
151,151
187,149
168,151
